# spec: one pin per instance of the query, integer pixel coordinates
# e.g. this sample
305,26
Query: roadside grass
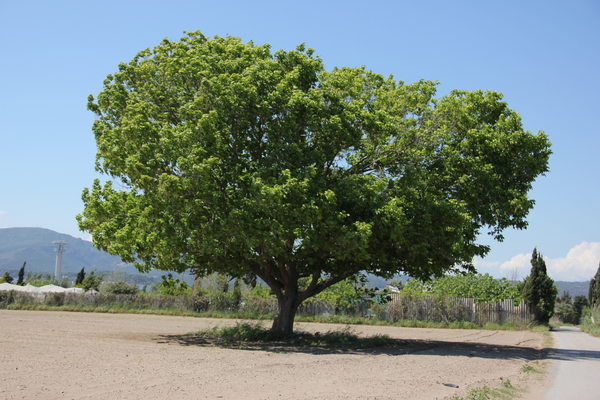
534,367
246,334
548,339
592,329
591,321
507,391
539,327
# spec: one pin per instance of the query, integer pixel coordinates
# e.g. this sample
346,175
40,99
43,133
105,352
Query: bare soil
62,355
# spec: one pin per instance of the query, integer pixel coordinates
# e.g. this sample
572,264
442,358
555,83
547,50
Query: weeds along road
576,373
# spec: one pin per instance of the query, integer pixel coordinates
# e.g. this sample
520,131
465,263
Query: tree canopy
482,288
226,157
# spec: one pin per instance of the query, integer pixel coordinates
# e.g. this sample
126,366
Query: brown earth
62,355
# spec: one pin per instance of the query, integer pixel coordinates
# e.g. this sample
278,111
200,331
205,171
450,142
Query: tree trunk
287,305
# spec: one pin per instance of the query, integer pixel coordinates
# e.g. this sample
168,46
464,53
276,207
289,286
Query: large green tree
538,289
226,157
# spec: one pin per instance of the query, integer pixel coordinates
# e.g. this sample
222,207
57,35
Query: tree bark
289,298
287,305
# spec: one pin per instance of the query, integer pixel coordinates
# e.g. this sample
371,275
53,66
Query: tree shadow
572,354
398,347
255,337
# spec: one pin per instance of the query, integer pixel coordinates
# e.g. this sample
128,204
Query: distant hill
34,245
574,288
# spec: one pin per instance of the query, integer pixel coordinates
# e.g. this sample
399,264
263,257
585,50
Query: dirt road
61,355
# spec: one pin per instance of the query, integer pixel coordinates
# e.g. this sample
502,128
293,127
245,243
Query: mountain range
34,245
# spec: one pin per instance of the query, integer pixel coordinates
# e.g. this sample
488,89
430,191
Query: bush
119,287
172,287
54,299
38,280
7,278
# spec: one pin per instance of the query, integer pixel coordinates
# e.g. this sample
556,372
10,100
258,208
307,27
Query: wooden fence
422,307
406,306
448,309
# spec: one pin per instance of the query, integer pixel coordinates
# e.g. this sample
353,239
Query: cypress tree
539,289
594,293
80,277
21,276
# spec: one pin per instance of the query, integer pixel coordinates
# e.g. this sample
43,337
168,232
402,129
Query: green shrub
54,299
38,280
7,278
119,287
173,287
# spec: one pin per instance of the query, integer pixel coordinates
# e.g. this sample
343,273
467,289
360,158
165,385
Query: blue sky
544,56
